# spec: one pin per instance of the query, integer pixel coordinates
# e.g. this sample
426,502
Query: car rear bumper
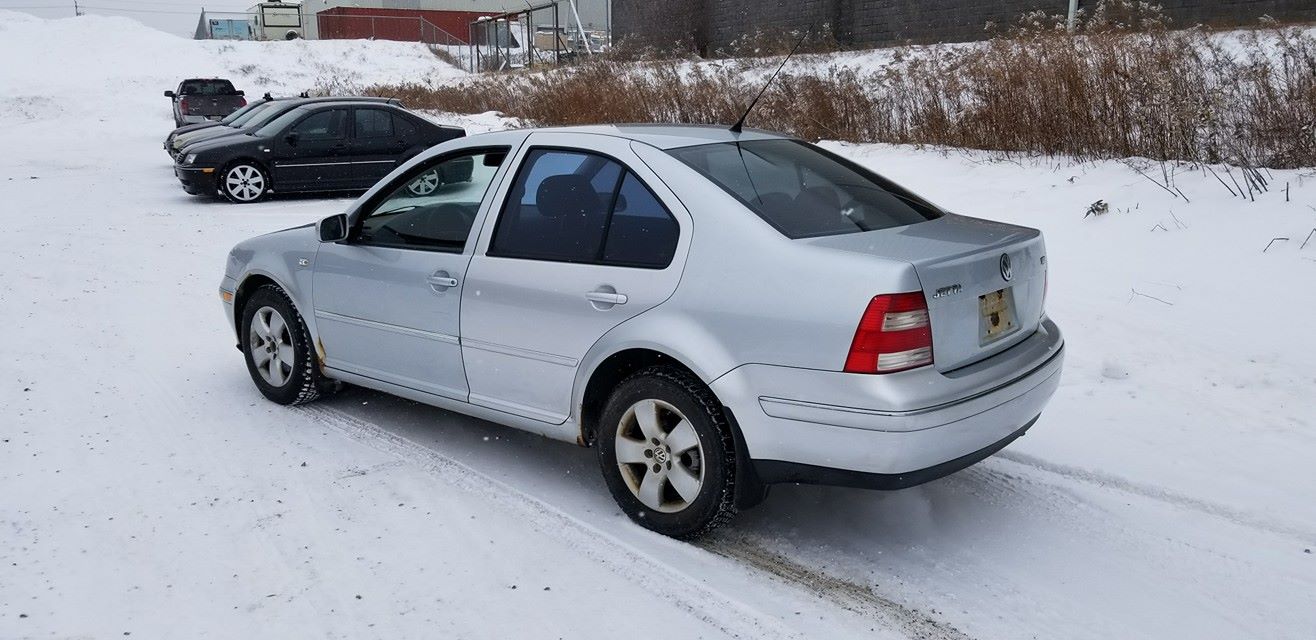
891,431
196,180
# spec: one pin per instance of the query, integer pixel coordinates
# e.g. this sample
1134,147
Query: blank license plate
997,315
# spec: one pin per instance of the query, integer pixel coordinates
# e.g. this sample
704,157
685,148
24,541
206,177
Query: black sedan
250,121
326,146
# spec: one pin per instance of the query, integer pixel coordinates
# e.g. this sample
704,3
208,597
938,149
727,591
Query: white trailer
277,21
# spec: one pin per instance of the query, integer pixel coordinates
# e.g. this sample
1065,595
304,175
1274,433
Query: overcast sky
175,16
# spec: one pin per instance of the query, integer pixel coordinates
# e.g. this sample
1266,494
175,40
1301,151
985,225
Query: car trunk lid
984,281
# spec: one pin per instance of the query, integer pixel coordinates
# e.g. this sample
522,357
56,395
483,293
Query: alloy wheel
269,340
660,456
244,182
426,184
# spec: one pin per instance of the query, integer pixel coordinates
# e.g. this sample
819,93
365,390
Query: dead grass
1125,87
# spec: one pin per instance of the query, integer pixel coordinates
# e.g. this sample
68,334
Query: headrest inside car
566,196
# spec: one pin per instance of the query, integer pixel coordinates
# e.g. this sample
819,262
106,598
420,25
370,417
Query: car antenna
740,124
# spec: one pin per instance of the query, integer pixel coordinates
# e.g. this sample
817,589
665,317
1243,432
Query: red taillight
182,105
242,102
893,335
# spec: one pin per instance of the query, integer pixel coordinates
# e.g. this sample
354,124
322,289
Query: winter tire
277,348
244,182
667,454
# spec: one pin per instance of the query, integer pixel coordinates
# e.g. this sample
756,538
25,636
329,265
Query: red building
407,25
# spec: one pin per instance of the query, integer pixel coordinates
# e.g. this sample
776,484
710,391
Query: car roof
673,136
344,99
316,103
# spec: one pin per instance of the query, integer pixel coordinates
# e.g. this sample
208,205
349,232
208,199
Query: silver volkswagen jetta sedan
713,311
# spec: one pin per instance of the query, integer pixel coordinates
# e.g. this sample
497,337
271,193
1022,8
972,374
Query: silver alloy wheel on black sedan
244,182
272,351
426,184
659,456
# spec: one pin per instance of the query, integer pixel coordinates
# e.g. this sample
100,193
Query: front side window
805,191
574,206
373,123
434,206
325,125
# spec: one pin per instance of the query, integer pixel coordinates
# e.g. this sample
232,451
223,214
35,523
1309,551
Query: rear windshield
805,191
207,88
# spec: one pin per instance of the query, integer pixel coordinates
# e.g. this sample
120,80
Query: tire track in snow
688,593
1158,494
853,597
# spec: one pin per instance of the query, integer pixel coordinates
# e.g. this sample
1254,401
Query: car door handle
441,281
606,297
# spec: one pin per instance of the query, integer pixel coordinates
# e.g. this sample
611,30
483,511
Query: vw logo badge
1007,271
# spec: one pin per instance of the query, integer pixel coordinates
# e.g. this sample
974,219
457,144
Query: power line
154,11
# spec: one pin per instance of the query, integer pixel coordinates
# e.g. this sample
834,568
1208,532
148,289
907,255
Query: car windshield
232,117
250,115
805,191
207,88
272,120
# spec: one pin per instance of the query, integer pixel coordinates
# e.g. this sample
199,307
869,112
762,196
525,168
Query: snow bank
97,66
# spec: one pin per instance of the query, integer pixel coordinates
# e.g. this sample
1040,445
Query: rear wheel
244,182
666,453
277,348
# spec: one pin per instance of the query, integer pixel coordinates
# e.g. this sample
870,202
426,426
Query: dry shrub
1123,87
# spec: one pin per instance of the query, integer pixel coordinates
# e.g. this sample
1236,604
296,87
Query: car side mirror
291,138
169,94
333,228
241,92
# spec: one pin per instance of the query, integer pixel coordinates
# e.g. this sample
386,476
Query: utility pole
77,11
1072,23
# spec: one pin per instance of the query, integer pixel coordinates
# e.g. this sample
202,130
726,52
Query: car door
314,153
387,299
378,144
561,267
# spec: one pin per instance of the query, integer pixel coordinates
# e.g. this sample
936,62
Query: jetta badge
1007,271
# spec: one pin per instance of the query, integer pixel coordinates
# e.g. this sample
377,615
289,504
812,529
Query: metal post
1072,23
580,28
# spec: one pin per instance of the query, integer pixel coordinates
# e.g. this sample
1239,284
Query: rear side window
405,128
641,233
572,206
374,123
805,191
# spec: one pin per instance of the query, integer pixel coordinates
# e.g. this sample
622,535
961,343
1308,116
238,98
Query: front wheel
277,348
244,182
666,452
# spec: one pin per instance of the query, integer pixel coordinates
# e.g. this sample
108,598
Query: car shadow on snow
967,505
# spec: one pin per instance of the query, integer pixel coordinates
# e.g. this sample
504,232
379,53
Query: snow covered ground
147,488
